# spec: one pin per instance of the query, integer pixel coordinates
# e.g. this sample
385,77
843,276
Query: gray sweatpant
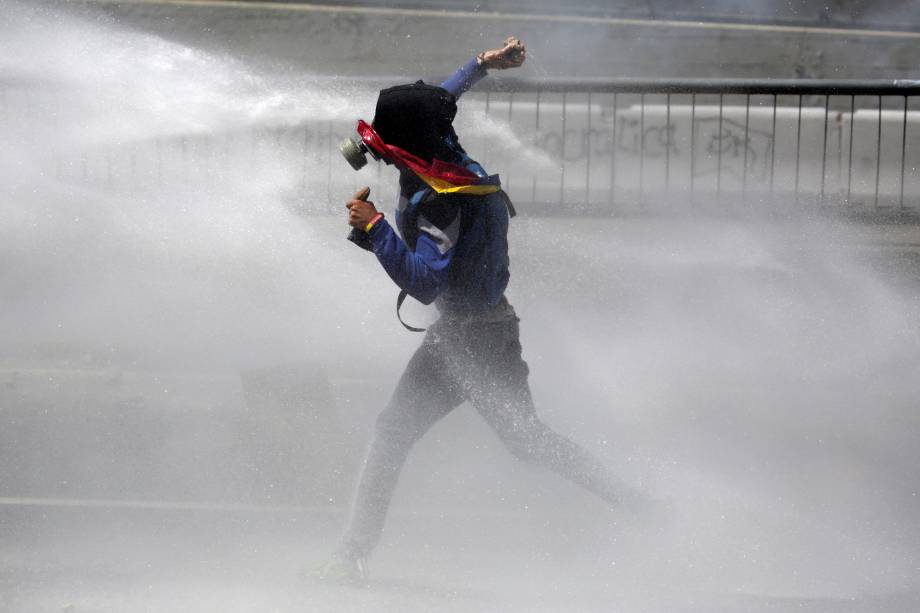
479,362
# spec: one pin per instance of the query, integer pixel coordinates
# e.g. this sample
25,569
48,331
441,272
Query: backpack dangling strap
399,303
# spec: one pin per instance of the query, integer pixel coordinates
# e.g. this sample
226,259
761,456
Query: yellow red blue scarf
442,177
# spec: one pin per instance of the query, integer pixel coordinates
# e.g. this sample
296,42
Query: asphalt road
242,562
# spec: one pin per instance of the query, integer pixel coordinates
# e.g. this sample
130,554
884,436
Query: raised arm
511,55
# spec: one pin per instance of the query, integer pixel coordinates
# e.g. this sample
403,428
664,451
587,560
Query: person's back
477,284
474,229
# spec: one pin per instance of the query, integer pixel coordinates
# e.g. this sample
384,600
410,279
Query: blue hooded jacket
454,248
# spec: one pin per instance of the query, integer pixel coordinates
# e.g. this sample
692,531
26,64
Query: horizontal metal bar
798,87
795,87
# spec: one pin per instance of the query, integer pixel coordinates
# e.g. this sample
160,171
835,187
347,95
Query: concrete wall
417,43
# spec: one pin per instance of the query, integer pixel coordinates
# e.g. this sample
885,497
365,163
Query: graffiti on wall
738,147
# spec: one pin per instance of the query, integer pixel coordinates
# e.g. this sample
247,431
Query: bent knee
528,443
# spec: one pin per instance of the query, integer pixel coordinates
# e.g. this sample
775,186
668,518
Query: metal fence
621,143
565,146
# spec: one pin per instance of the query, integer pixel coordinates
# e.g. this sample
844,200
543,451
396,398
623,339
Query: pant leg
425,393
496,378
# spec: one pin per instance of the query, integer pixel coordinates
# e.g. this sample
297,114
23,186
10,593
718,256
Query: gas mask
355,152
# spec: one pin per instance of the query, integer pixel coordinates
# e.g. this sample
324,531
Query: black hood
417,117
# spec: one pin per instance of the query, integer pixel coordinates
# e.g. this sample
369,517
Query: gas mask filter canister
355,152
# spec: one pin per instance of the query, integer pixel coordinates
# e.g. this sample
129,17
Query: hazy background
192,356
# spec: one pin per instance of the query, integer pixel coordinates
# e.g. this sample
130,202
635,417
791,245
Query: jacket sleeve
466,77
422,273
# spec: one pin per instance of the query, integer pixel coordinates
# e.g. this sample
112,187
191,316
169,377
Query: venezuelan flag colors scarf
442,177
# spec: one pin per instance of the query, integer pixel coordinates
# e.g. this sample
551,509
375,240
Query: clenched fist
511,55
360,210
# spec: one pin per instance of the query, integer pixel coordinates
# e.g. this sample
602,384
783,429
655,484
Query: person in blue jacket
453,251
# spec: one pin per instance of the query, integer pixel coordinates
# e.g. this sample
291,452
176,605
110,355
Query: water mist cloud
758,373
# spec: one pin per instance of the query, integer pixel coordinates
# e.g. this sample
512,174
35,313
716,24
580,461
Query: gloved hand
360,211
511,55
